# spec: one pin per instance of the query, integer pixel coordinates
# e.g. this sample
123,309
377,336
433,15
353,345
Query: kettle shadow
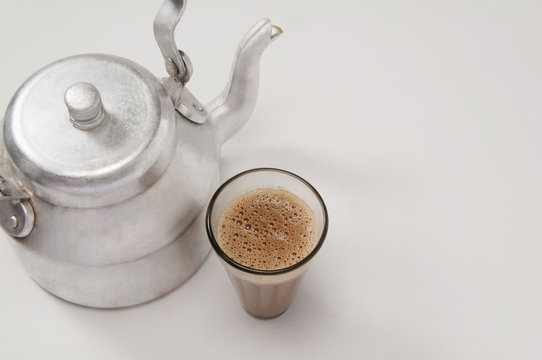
147,330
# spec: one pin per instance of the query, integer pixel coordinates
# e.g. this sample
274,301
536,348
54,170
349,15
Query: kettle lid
90,130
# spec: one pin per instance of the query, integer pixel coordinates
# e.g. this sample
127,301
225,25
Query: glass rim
245,268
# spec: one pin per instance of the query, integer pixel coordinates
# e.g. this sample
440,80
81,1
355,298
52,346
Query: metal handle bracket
178,65
16,212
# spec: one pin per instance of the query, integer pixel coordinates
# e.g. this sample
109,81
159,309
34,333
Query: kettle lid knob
84,105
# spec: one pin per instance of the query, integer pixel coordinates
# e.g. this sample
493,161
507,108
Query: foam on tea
267,229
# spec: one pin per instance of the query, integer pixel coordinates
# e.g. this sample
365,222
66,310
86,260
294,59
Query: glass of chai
266,225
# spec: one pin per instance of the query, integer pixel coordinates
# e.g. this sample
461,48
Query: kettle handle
178,65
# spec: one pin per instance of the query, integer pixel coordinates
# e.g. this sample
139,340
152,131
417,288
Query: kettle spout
233,107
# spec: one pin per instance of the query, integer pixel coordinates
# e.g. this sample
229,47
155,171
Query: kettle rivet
84,106
13,222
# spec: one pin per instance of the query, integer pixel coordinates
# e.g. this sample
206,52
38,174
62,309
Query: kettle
105,170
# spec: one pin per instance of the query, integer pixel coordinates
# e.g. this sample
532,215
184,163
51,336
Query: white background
419,123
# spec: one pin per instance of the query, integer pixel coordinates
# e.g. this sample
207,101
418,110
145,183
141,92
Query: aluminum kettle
105,169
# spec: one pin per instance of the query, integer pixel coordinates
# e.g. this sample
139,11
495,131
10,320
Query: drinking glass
265,293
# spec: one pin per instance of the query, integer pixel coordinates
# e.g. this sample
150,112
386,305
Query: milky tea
267,229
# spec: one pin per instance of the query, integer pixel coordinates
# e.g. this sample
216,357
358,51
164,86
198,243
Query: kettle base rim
109,287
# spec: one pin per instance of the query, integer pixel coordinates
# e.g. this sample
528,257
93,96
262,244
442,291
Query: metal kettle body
127,229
